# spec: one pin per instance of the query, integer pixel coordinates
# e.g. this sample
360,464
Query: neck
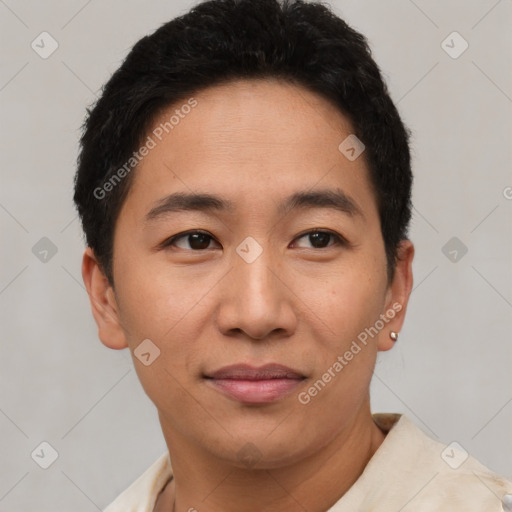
202,481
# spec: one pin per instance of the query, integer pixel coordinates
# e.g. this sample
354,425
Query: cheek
166,306
351,305
347,300
346,356
157,310
156,299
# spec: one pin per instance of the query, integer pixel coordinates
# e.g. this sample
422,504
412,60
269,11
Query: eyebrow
302,200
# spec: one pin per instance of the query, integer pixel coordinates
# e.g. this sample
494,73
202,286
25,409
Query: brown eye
320,239
192,240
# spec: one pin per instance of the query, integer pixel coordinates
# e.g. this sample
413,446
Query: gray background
451,369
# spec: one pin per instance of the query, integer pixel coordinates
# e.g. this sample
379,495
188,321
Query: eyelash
339,241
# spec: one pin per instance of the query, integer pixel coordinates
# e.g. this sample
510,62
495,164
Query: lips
248,384
246,372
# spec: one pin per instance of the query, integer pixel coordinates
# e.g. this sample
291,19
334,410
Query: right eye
194,240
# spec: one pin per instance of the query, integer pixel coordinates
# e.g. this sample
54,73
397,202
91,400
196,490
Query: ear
397,294
103,303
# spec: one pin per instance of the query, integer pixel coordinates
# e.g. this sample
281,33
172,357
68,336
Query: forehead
261,118
251,138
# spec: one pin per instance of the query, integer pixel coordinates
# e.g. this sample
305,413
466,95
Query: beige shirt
409,472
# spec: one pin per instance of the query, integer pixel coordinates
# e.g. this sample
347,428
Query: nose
257,300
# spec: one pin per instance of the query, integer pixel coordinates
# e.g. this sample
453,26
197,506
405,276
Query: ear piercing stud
393,335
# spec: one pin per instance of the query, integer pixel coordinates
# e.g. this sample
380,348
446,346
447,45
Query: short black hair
219,41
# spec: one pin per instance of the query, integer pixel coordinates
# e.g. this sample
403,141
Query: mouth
251,385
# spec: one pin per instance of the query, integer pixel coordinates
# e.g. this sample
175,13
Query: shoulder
141,495
411,471
447,477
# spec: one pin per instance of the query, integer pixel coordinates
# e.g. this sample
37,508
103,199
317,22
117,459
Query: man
244,184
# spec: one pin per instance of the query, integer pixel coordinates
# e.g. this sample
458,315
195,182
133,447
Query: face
250,276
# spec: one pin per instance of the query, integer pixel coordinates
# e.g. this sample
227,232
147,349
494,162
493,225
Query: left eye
320,239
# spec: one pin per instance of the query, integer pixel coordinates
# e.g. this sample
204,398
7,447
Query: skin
255,143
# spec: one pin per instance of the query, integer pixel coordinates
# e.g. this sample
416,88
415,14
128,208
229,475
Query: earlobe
103,303
397,296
